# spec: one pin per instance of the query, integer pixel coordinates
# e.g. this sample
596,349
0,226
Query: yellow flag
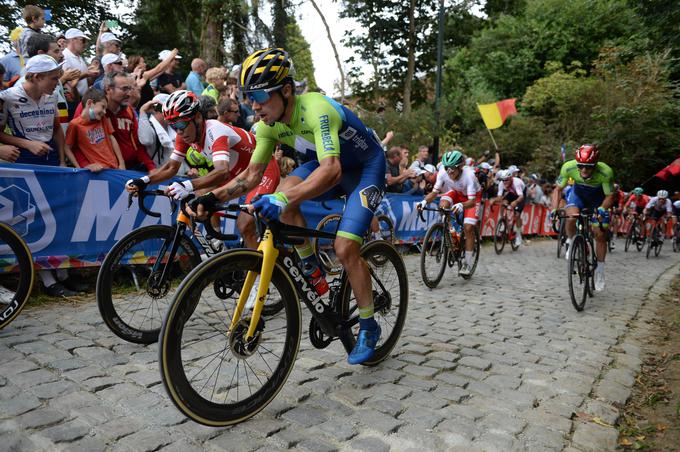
490,115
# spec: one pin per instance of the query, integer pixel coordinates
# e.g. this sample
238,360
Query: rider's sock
366,320
600,267
468,259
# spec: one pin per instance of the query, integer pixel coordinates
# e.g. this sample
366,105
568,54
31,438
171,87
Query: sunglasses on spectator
585,165
260,96
179,125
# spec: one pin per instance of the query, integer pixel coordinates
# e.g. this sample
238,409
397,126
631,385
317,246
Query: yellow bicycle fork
269,255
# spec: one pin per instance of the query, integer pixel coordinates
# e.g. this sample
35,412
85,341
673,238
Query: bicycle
634,234
221,363
505,230
582,260
558,226
324,248
16,280
443,246
155,259
656,239
676,237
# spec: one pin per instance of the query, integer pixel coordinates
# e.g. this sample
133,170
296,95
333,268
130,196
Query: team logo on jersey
371,197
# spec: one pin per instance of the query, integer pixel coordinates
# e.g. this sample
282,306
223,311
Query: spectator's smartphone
112,24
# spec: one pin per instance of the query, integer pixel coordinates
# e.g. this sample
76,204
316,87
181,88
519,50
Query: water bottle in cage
316,278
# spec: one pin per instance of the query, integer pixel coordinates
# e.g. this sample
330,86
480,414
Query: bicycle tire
475,258
19,287
561,239
190,317
658,238
578,273
434,245
120,314
324,248
651,243
500,235
591,259
629,238
640,242
386,228
391,323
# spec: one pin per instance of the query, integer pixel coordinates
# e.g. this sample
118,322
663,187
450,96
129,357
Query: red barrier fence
535,219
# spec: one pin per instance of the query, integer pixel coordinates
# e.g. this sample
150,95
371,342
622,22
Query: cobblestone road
500,362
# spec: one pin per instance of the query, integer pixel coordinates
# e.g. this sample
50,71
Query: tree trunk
212,33
280,22
239,28
411,57
335,51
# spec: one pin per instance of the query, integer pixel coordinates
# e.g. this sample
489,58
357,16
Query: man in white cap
30,110
76,41
111,62
170,81
107,42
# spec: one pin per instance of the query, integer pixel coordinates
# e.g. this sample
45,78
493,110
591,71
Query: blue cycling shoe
365,346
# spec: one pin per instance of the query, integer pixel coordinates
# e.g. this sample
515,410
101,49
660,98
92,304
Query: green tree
298,49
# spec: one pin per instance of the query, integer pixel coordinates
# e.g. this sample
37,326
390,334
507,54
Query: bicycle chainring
316,336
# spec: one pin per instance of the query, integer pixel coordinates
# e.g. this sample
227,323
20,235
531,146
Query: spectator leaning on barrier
534,191
422,158
194,81
90,142
170,80
30,110
117,88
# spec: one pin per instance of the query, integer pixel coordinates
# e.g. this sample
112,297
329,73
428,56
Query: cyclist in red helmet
593,189
228,147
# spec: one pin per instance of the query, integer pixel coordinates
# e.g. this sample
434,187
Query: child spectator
35,21
286,166
89,140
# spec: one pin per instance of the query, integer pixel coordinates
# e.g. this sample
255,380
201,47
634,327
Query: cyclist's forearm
608,202
430,196
165,172
241,184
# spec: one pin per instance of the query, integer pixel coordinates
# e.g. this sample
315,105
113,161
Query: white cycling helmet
663,194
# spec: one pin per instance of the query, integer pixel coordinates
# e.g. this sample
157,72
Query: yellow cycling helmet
267,70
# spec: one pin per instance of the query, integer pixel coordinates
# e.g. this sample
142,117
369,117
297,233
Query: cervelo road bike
582,259
141,272
324,248
655,239
443,245
505,229
17,276
222,362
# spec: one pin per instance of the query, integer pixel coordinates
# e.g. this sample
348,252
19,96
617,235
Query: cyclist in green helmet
461,192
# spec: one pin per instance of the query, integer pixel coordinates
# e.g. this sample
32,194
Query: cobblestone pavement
500,362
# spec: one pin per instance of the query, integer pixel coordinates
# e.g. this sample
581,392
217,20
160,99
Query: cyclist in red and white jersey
659,208
228,147
462,192
511,189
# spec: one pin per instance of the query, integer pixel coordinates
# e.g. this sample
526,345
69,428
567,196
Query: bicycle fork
269,255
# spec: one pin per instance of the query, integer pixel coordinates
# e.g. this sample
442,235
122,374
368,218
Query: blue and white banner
73,217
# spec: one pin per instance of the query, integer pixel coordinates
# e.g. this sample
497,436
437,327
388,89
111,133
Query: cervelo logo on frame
18,206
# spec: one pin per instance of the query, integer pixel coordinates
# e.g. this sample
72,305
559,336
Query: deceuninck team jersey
467,184
220,142
26,118
319,128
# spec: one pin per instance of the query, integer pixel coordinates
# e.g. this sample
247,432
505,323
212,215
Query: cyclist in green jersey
592,189
346,158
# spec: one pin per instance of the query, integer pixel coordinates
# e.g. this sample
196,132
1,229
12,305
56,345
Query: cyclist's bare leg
348,252
375,227
246,226
600,243
469,237
570,225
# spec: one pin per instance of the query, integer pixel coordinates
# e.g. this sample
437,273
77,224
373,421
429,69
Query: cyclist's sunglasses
179,125
260,96
585,165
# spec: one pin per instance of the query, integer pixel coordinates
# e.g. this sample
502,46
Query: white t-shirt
28,119
466,184
517,187
654,204
73,61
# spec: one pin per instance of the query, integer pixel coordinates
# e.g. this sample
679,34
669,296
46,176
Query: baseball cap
430,168
109,58
108,37
485,165
533,176
72,33
41,63
161,98
513,169
163,54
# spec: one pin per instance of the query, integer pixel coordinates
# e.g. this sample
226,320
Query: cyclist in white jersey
659,208
511,189
462,193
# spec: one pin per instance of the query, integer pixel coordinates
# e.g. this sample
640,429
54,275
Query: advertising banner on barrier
72,218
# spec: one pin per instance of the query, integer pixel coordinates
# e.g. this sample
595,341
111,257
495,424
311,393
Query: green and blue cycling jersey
587,193
319,128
